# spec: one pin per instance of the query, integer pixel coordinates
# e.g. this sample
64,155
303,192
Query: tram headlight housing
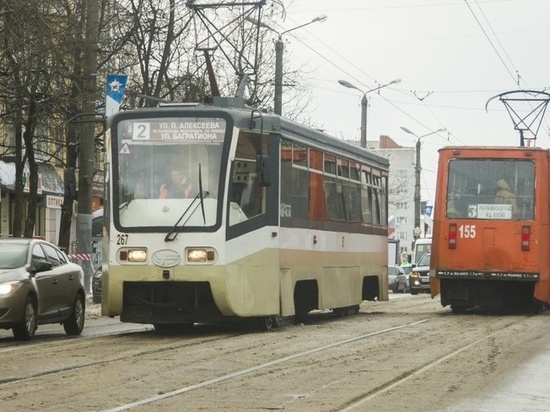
200,255
137,255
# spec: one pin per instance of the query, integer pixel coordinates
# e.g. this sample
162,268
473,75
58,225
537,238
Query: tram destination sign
200,130
490,211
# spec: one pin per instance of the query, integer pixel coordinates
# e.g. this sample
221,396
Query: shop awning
52,184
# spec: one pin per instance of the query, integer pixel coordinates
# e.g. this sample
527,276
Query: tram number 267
122,239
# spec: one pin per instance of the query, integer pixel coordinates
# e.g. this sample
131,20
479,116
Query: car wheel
26,327
75,323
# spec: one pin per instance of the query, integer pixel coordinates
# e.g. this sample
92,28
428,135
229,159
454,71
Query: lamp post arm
396,81
319,19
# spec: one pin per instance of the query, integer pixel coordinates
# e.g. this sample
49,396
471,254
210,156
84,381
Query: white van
422,246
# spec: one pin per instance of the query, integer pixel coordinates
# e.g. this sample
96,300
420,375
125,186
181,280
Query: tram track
82,344
243,372
356,403
292,368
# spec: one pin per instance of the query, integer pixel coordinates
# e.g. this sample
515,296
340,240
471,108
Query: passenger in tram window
452,212
506,196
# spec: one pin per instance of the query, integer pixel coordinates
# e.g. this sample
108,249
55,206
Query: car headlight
10,287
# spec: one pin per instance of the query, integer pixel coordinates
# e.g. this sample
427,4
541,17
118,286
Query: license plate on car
425,280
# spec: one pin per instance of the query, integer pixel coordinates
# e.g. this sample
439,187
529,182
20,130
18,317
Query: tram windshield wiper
172,234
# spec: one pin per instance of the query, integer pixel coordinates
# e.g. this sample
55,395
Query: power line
490,41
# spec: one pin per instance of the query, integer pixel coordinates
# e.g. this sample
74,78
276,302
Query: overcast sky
452,57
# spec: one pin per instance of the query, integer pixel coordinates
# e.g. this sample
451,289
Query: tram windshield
168,172
491,189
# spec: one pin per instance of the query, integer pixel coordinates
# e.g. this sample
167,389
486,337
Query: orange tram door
490,243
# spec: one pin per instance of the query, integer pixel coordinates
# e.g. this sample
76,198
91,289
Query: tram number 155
467,231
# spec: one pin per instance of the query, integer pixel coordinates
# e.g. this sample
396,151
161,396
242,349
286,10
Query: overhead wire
516,78
350,75
348,64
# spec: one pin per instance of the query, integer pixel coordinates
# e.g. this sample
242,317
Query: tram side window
383,199
317,202
246,190
366,197
334,191
300,193
294,183
352,195
376,209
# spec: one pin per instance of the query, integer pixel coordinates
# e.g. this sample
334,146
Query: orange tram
491,232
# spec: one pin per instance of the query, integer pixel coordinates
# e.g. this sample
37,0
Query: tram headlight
137,255
197,255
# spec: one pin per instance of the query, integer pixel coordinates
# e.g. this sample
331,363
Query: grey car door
63,280
46,285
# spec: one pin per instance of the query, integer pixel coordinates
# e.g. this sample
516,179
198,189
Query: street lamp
279,48
417,170
364,104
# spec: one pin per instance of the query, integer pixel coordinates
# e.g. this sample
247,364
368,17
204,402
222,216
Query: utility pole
417,170
278,101
86,153
417,195
365,105
279,49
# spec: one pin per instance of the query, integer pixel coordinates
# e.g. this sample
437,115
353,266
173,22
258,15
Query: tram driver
179,186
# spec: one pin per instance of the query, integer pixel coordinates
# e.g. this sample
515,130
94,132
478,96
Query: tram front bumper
168,302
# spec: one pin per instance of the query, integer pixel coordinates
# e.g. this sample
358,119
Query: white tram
271,219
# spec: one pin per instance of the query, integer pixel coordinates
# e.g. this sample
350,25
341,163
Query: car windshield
424,260
12,255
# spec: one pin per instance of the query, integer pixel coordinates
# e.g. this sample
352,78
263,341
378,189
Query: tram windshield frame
161,162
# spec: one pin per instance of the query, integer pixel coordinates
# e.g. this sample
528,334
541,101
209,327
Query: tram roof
495,152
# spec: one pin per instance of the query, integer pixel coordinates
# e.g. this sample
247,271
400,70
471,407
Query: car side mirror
40,266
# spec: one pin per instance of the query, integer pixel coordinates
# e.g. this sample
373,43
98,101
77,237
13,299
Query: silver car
38,285
419,280
393,272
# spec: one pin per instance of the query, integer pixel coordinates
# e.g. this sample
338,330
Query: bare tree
155,42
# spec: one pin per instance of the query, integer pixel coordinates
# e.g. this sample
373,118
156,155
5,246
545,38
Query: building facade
401,187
